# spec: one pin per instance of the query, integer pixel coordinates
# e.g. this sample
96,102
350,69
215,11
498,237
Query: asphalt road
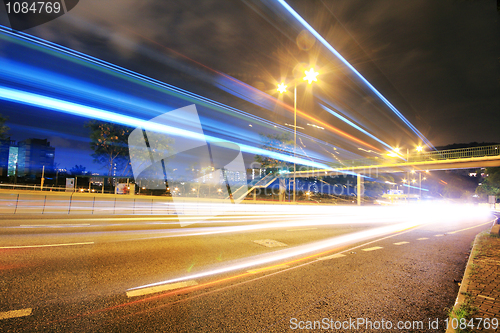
249,273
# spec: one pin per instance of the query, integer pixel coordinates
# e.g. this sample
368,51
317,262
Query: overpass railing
439,155
452,154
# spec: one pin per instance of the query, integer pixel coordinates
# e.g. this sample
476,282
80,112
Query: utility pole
43,179
420,185
294,134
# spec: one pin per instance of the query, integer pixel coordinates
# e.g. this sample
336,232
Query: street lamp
310,77
281,88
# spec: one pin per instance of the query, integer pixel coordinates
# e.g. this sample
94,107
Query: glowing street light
420,148
281,88
311,76
394,153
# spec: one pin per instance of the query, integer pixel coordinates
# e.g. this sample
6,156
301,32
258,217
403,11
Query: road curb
465,280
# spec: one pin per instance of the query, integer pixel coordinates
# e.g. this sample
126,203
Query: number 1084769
38,7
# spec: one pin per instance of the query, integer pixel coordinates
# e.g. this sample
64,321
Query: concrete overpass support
282,191
359,188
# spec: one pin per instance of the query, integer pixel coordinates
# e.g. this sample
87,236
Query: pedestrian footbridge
464,158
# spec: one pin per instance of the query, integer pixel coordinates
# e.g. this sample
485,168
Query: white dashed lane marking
164,287
15,313
302,229
423,238
373,248
269,243
44,245
272,268
333,256
54,225
401,243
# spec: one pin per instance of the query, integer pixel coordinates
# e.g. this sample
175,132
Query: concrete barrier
38,202
30,203
8,202
57,203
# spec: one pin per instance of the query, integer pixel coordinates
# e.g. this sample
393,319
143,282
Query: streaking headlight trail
368,84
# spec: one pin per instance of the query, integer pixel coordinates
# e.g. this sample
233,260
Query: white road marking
302,229
441,235
157,289
46,245
53,225
373,248
401,243
454,232
15,313
423,238
269,243
271,268
333,256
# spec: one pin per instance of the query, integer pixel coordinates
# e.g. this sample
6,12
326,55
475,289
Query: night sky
437,62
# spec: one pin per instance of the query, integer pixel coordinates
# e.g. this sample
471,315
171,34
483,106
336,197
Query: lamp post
420,186
404,182
310,77
397,153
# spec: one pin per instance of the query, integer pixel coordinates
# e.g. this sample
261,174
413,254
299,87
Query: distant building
13,159
4,156
33,155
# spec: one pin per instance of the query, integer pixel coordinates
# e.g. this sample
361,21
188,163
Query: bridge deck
465,158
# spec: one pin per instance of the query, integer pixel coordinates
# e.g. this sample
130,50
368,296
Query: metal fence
452,154
449,154
24,202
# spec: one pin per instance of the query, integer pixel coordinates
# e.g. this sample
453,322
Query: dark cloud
440,57
436,61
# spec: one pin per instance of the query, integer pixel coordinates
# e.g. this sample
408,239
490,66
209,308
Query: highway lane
117,260
61,281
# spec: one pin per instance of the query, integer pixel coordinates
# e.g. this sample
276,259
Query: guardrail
29,187
440,155
26,202
48,188
452,154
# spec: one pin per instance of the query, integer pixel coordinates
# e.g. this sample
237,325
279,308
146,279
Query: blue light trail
372,88
347,121
50,103
415,187
58,85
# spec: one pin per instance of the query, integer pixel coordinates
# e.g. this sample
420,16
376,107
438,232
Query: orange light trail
255,90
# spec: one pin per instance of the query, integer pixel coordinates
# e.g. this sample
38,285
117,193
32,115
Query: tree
109,142
279,143
3,129
491,183
78,170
